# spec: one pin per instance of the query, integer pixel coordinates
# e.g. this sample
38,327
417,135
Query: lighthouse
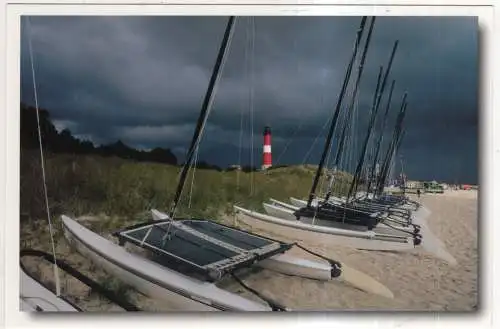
267,159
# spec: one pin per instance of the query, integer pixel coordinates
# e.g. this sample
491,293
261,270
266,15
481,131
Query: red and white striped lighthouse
267,159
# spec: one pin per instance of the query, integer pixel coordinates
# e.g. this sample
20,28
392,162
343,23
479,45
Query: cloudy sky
142,80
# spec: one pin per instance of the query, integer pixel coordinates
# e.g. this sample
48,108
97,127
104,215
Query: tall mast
381,137
355,181
394,143
205,110
391,155
351,105
392,166
337,110
358,170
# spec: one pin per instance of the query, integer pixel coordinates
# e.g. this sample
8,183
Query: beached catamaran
370,221
188,259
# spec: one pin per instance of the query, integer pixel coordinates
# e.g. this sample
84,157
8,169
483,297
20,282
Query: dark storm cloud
142,79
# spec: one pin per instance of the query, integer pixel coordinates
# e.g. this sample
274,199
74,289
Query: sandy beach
419,281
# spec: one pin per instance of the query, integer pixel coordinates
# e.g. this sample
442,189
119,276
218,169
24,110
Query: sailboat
372,222
188,259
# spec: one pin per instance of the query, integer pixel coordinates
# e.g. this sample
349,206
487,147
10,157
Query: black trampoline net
202,243
229,235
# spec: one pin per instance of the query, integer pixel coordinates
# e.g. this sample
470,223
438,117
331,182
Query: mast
205,110
358,170
381,137
395,141
355,181
350,108
392,167
337,110
383,177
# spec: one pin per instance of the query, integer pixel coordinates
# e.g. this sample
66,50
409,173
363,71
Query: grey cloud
117,76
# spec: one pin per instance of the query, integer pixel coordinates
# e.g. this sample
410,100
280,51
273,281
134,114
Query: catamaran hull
367,240
34,297
355,239
151,279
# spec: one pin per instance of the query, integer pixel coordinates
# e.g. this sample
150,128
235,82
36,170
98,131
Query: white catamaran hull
294,266
151,279
366,240
34,297
352,238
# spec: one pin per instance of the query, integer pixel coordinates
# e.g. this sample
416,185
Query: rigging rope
193,168
308,153
42,160
301,122
238,171
275,306
242,115
289,141
251,101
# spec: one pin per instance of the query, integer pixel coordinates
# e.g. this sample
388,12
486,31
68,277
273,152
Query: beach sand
419,281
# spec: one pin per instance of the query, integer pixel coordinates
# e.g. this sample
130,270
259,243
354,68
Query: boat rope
110,295
289,141
336,265
308,153
42,160
275,306
299,126
414,234
242,115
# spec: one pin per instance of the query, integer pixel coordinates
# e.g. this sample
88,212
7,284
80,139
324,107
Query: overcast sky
142,80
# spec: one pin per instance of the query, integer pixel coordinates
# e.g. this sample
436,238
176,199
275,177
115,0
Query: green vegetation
121,290
90,184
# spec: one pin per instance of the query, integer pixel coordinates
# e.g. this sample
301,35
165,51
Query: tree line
64,141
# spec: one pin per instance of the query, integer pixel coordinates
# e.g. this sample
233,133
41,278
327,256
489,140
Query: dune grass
82,185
